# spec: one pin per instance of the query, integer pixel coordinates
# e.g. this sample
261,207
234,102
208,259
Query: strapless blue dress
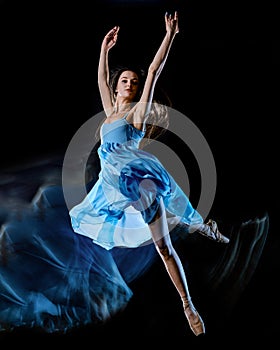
124,200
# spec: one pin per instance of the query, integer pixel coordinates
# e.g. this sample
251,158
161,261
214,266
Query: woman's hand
171,23
110,38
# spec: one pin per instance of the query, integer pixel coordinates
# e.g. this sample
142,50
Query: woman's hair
158,119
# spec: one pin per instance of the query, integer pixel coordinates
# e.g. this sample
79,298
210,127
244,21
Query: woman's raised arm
155,68
108,42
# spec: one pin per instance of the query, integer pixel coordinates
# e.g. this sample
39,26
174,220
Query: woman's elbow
153,71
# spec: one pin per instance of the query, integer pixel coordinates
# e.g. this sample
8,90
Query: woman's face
128,85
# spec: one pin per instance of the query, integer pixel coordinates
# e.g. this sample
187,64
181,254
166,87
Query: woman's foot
195,321
210,230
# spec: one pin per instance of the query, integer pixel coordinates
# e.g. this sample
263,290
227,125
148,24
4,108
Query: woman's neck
121,108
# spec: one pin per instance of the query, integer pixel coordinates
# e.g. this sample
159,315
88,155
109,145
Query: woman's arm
108,42
155,68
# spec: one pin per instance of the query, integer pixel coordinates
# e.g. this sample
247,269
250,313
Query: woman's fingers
113,31
116,29
169,16
172,21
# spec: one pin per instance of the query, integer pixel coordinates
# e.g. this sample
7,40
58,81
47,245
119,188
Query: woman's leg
174,267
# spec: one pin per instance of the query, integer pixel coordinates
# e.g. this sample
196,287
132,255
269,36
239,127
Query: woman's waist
109,146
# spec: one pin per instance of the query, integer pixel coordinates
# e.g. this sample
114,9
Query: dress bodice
121,132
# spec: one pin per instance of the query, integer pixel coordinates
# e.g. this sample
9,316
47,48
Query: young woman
129,203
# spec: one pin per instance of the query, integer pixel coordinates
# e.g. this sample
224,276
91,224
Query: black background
221,73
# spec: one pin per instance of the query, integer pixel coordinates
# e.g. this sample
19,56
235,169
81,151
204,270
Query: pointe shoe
210,230
195,321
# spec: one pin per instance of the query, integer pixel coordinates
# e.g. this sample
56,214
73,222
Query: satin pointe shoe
210,230
195,321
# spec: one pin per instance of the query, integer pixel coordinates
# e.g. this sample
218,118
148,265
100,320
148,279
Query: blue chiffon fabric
54,279
124,200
